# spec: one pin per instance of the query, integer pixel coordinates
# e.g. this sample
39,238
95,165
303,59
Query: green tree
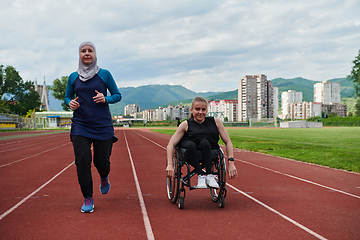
355,77
332,114
3,107
20,96
357,108
59,90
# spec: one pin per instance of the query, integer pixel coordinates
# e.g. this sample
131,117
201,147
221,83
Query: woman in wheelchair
201,133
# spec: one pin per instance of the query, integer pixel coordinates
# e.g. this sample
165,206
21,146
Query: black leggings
83,159
205,148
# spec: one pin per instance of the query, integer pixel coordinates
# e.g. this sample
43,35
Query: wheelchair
176,186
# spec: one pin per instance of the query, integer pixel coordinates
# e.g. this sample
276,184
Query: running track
273,198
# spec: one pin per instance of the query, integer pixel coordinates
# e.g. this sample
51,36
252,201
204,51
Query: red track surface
273,198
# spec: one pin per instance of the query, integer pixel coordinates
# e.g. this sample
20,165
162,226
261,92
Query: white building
287,98
223,109
327,92
171,112
131,109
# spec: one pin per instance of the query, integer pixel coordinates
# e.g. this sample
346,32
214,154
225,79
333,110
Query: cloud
204,45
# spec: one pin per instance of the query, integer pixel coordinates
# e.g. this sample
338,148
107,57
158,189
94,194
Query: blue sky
204,45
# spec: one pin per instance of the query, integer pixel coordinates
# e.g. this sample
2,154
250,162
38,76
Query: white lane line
24,146
30,139
300,179
149,232
150,140
278,213
33,193
33,155
288,175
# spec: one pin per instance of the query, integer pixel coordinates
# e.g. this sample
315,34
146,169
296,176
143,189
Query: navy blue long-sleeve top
91,119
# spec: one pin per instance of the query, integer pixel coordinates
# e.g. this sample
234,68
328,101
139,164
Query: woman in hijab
86,95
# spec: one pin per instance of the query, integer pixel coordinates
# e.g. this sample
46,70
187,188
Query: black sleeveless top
206,130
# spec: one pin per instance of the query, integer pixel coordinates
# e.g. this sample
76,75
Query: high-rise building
256,98
327,92
273,100
287,98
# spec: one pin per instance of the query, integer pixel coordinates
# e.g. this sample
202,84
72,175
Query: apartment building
223,109
304,110
273,100
131,109
255,98
170,112
327,92
311,109
339,109
287,98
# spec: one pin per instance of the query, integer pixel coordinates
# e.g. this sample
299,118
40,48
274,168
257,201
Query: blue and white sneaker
105,185
88,206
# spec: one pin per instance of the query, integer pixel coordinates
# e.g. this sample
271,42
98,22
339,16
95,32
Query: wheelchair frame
176,187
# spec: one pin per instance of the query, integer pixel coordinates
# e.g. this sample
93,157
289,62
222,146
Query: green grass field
333,147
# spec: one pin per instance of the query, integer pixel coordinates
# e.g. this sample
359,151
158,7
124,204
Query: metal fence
13,121
254,122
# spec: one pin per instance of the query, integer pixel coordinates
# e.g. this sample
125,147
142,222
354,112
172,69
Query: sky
203,45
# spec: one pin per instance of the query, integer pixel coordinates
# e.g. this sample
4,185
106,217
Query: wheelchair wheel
221,177
181,202
222,201
173,185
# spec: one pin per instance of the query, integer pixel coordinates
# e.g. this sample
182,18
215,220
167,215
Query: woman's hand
74,104
232,171
99,98
170,173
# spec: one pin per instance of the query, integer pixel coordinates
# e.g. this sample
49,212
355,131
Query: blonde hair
198,99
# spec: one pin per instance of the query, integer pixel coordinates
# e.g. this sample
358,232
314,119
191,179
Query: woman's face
199,111
87,54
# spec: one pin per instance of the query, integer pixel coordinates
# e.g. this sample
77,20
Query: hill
307,87
153,96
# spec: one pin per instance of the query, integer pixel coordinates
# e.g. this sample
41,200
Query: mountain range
153,96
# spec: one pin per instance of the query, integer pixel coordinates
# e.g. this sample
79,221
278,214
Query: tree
332,114
20,96
3,107
355,77
357,108
59,90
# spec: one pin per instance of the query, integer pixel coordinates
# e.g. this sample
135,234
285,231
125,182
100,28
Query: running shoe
210,180
201,182
105,185
88,206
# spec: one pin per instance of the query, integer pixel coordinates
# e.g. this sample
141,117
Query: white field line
149,232
33,155
300,179
280,214
33,193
